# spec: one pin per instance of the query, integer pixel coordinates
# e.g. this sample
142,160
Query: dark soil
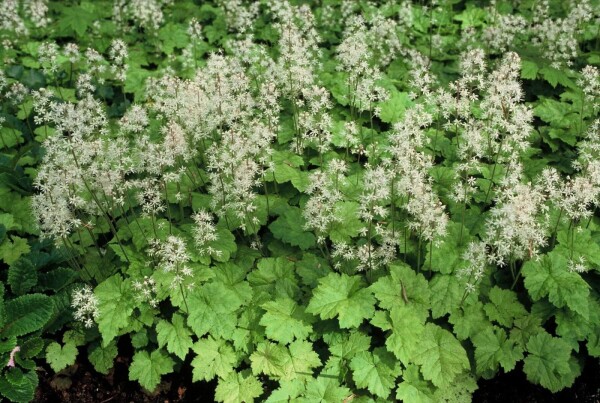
82,384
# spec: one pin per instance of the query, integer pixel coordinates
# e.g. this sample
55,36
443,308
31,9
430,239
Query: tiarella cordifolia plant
312,202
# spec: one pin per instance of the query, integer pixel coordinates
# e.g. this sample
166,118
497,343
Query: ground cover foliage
308,201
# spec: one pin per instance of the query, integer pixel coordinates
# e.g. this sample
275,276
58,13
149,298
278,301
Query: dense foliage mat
304,201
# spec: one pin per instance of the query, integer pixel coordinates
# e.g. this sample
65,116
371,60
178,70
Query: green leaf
12,249
214,357
173,36
550,276
492,348
295,361
344,346
289,227
581,246
147,369
403,287
224,246
376,371
392,110
446,294
301,360
284,320
348,225
22,276
56,279
524,328
469,320
76,19
343,296
103,358
413,387
238,387
440,355
446,256
407,330
268,358
31,347
21,391
555,77
325,389
275,277
547,363
504,307
10,137
27,314
175,335
115,305
529,70
59,357
213,308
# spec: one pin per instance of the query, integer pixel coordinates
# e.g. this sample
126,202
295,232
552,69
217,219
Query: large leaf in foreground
550,276
440,355
549,362
343,296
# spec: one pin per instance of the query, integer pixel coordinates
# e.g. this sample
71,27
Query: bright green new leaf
300,360
504,307
12,249
413,387
214,357
278,361
238,387
547,363
348,225
581,246
445,257
213,308
275,277
529,70
175,335
147,368
324,389
446,294
393,108
343,296
376,371
268,358
345,346
550,276
469,320
440,355
60,357
407,330
284,320
403,287
115,303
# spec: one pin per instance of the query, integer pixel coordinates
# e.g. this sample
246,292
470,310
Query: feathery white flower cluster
146,291
320,209
85,304
516,228
411,166
204,233
146,14
558,37
172,257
